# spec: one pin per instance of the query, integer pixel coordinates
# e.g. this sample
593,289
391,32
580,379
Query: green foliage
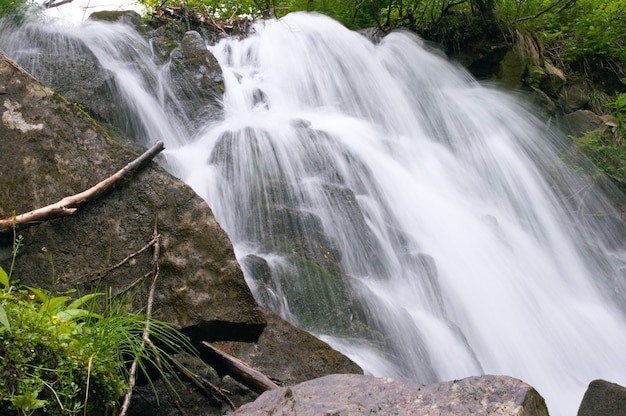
619,107
352,13
579,33
604,151
48,356
13,7
61,357
595,31
606,146
574,29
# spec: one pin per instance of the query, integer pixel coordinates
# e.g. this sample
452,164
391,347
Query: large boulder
51,150
603,398
196,78
364,395
72,66
574,97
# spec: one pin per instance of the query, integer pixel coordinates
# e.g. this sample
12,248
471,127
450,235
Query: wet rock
364,395
580,122
484,63
603,398
52,150
129,17
308,357
573,97
68,66
551,79
511,69
196,78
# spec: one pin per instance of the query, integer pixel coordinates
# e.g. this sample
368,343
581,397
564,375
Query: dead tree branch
100,274
146,332
567,4
54,3
237,369
69,205
215,394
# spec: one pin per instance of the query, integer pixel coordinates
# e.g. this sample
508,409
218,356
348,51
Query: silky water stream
426,225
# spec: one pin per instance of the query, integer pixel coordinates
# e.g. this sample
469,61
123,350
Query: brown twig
69,205
107,270
87,386
241,371
146,332
215,394
567,4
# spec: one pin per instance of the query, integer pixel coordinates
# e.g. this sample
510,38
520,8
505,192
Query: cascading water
378,196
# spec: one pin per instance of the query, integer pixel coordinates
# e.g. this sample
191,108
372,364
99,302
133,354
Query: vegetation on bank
574,31
66,355
12,7
606,147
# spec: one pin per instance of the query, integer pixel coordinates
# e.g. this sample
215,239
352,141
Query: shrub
13,7
61,357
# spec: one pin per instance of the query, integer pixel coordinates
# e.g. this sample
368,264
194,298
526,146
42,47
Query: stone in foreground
603,398
344,394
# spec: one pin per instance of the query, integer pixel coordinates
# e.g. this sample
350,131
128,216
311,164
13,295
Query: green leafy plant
604,151
619,107
14,8
60,356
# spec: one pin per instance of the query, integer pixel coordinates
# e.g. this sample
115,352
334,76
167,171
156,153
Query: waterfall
425,224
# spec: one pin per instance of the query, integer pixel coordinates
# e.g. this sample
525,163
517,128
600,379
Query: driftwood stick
237,369
99,275
69,205
146,332
212,392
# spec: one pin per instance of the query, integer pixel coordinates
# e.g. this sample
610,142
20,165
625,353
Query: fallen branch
100,274
54,3
146,333
215,394
567,4
237,369
69,205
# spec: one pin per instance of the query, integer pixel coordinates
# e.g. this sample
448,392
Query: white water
468,245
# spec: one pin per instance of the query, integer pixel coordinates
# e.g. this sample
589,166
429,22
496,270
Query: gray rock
553,80
512,68
129,17
603,398
308,357
51,150
580,122
196,78
66,64
573,97
363,395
